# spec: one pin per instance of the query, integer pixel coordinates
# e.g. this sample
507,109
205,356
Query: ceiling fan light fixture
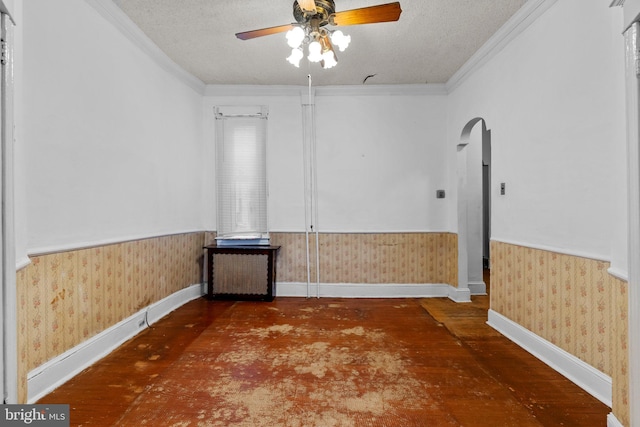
312,16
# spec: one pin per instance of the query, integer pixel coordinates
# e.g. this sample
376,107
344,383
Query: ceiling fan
312,18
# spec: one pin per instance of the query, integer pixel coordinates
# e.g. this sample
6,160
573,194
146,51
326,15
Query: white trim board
372,290
76,246
60,369
618,273
556,249
632,44
478,288
612,421
582,374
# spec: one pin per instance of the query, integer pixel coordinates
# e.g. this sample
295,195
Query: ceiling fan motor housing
324,9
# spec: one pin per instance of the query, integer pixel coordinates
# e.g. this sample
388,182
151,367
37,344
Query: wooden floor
325,362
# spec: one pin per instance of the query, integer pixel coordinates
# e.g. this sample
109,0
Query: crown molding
7,10
112,13
253,90
382,90
524,17
346,90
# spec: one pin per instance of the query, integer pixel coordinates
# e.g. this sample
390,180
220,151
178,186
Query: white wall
379,158
631,13
380,163
111,143
557,122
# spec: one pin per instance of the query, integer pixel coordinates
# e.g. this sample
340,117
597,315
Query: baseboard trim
364,290
459,294
582,374
55,372
478,288
612,421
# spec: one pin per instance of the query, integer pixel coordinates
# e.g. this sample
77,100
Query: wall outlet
439,194
502,188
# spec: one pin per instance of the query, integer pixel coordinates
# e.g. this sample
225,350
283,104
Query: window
241,173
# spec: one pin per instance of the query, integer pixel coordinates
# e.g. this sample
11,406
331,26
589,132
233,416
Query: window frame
241,179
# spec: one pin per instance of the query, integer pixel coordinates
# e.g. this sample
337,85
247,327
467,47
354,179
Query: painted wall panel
557,124
112,142
380,163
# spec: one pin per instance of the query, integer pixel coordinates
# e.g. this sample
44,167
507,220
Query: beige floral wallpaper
65,298
570,301
370,257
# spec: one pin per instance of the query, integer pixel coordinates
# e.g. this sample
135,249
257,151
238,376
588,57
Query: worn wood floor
325,362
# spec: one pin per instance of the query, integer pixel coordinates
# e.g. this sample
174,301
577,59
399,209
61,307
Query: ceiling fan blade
307,5
263,32
368,15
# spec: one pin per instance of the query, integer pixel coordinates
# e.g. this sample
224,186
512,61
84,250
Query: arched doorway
474,205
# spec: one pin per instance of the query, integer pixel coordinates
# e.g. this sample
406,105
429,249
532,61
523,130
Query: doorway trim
632,42
8,298
476,287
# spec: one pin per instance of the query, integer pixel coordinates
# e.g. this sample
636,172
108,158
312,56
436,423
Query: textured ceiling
430,42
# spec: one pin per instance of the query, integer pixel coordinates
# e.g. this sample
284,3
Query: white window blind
241,171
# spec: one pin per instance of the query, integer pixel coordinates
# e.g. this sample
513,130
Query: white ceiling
430,42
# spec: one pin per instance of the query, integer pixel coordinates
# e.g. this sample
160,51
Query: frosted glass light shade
295,57
295,36
338,38
315,52
329,59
